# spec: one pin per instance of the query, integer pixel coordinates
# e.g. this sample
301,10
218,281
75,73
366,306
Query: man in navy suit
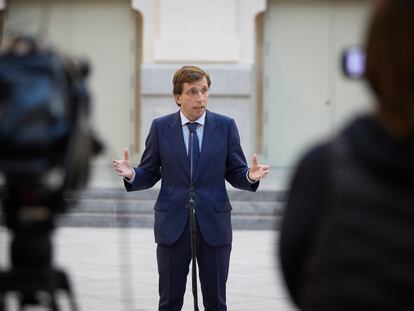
218,156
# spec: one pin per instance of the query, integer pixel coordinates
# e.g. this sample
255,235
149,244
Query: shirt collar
201,120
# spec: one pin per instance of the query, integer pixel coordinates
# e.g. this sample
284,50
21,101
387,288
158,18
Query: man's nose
200,96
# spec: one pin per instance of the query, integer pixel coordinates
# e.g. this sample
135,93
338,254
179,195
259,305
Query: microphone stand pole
193,229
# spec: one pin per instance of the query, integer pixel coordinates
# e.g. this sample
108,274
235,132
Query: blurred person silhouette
193,151
347,237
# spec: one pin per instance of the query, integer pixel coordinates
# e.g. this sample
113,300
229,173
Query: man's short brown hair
188,74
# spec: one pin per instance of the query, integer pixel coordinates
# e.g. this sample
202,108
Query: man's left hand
257,171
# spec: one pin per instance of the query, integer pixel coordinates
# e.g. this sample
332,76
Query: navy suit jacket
165,158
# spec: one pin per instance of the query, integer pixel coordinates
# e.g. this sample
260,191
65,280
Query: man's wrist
130,180
249,179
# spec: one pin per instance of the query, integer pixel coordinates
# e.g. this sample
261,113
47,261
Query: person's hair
188,74
390,58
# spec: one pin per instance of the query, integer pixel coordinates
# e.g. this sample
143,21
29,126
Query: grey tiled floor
115,269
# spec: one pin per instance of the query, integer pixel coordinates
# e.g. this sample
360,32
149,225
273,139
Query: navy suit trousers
173,267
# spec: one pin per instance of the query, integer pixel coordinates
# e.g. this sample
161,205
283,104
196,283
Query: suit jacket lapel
210,138
175,136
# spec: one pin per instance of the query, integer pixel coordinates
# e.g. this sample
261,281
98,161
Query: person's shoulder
310,172
167,118
216,117
315,158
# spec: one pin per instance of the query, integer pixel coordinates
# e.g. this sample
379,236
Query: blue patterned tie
193,147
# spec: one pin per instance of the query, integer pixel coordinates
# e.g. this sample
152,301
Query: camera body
45,136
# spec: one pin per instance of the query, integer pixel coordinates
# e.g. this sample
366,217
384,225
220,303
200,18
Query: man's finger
254,160
126,154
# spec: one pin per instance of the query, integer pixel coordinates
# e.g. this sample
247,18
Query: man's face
193,99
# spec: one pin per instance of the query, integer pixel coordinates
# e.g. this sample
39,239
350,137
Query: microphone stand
193,229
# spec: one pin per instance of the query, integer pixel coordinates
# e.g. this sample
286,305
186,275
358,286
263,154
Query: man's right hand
123,167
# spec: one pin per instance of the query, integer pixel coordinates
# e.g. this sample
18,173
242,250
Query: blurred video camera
46,144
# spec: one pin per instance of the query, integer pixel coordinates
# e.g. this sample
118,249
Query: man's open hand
258,171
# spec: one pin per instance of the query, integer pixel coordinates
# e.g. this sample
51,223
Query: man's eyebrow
195,88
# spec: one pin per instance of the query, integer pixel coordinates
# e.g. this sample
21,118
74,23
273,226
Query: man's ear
177,100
